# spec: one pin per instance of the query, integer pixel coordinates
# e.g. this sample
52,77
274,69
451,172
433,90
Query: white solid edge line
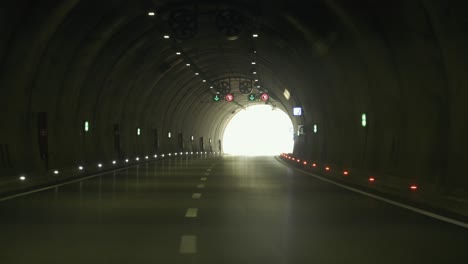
408,207
65,183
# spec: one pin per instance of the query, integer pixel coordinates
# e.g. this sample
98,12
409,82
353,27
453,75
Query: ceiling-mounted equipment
245,86
183,23
230,22
223,87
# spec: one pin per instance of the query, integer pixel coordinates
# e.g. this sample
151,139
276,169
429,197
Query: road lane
250,210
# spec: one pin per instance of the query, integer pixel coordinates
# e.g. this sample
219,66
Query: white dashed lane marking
196,196
201,186
203,179
191,212
188,245
207,174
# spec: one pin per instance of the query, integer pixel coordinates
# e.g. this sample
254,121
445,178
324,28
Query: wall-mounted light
255,35
167,37
126,160
286,94
22,178
364,120
178,53
56,172
114,162
146,157
137,159
315,128
99,165
151,13
138,131
155,156
80,168
86,126
169,134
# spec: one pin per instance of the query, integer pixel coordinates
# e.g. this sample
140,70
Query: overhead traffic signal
265,97
229,97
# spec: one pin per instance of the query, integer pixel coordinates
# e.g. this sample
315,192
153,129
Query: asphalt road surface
218,210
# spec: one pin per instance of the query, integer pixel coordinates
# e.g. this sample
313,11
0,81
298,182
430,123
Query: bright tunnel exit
259,130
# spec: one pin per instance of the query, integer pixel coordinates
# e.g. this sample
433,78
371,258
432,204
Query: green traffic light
252,97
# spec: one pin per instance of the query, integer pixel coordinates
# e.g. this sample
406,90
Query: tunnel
94,94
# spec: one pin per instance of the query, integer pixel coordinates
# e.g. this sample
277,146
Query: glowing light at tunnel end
259,131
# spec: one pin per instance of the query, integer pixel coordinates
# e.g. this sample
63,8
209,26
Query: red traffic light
265,97
229,97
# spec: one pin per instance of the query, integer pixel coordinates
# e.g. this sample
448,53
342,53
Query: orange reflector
314,165
372,179
413,187
305,162
294,159
327,168
298,160
345,172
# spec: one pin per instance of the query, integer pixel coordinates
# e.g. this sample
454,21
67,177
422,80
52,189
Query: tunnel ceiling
109,63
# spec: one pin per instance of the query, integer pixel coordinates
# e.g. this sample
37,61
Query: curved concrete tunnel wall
401,62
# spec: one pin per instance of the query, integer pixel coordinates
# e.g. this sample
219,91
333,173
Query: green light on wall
364,120
86,126
138,131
